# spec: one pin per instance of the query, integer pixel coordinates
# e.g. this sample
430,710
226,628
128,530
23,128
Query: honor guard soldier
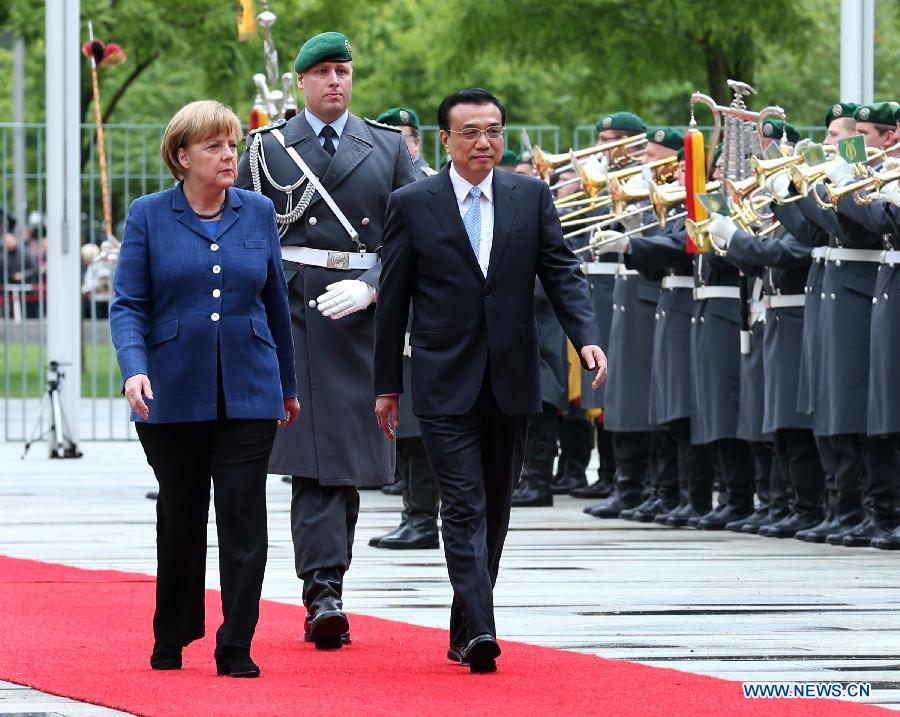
408,122
329,174
415,479
869,231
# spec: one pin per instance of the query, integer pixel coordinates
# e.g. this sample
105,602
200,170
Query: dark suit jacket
464,323
161,317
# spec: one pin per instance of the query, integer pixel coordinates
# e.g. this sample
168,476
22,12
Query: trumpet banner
694,179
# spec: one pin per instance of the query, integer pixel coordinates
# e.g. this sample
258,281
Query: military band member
329,174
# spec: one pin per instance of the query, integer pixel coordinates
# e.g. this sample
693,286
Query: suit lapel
504,210
446,210
356,143
187,217
230,215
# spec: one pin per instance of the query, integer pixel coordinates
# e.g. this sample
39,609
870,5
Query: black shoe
454,654
648,514
843,526
481,654
818,533
682,515
235,662
345,638
594,491
409,536
527,496
751,523
566,484
609,508
891,541
327,628
394,488
165,658
694,521
863,534
152,495
791,524
718,520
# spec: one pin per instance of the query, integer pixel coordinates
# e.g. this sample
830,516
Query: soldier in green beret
615,126
774,130
877,123
839,122
329,174
408,122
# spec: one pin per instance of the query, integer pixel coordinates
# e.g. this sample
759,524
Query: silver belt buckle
339,260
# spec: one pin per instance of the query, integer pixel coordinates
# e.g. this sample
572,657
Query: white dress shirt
461,189
318,124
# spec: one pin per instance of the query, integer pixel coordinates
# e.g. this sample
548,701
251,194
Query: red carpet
86,634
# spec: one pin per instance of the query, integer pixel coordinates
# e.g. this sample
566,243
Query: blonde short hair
193,123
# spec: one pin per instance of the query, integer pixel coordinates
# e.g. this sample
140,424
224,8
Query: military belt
784,301
343,260
716,292
678,282
820,252
841,254
892,257
622,271
599,267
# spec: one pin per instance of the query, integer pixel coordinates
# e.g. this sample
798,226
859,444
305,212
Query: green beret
776,129
398,117
509,158
667,137
622,120
840,111
877,113
324,47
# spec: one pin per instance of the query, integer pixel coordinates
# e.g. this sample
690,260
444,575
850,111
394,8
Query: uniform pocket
255,243
162,332
261,331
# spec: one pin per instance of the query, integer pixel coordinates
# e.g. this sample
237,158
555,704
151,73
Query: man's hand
610,241
890,192
136,387
387,411
779,185
721,230
291,412
594,359
345,297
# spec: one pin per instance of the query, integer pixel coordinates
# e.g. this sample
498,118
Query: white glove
721,230
636,184
889,164
839,172
802,144
611,242
890,192
345,297
779,185
632,219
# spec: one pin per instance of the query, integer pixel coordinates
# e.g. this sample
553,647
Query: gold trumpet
594,183
742,216
876,181
665,196
548,164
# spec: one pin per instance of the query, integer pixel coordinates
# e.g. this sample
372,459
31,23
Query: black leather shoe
345,638
751,523
327,628
609,508
165,658
862,535
566,484
718,520
393,488
594,491
844,526
818,533
527,496
647,514
891,541
235,662
682,515
409,536
481,654
791,524
454,654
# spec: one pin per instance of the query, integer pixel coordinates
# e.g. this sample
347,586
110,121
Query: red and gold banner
694,179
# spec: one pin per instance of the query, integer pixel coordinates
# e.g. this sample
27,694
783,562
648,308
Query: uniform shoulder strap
268,128
381,124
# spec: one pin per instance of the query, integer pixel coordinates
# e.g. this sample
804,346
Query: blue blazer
181,297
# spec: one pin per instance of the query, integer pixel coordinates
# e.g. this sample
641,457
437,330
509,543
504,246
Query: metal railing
585,135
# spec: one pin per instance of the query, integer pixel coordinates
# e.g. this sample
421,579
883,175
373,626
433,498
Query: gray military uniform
336,440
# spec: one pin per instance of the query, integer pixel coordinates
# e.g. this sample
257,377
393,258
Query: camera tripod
57,435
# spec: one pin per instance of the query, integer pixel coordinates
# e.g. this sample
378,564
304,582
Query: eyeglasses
472,134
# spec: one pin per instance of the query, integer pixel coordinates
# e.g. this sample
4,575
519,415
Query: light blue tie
472,220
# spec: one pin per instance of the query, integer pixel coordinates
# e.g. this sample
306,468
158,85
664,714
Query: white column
63,89
857,50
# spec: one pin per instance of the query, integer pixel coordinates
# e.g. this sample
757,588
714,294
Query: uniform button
693,319
622,309
656,316
702,319
217,293
663,314
217,269
365,221
874,299
806,289
214,317
823,295
313,221
615,307
833,297
214,247
885,297
837,262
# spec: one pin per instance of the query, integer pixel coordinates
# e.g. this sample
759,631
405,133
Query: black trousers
420,493
477,457
323,525
541,448
184,457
